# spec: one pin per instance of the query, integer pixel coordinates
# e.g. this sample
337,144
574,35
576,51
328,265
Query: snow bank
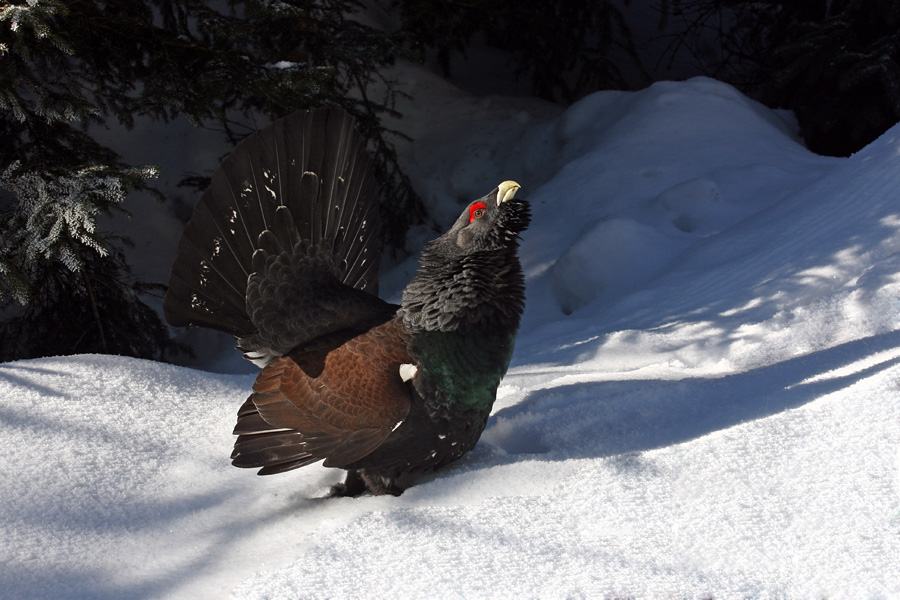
703,401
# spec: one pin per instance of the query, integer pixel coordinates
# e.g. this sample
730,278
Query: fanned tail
303,186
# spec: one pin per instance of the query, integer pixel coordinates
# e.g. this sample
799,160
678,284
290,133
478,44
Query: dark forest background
67,67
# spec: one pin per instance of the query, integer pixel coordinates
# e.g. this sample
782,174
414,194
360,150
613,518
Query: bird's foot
357,483
353,485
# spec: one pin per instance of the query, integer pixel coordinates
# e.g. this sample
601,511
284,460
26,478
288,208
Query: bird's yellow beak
506,191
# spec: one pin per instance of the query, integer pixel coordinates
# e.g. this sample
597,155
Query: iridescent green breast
461,370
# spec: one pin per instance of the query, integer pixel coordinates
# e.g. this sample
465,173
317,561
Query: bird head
471,276
492,222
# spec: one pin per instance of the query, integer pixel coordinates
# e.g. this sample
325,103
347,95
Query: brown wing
337,404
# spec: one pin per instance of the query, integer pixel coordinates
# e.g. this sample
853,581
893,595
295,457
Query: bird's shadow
623,417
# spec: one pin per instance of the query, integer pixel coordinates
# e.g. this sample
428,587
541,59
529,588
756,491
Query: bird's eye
476,211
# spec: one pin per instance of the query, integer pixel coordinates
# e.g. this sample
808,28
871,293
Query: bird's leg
382,484
353,486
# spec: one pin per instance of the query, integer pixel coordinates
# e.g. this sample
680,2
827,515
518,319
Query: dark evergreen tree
64,287
565,49
835,63
838,69
66,65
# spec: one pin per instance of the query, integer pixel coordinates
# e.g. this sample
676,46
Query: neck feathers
480,291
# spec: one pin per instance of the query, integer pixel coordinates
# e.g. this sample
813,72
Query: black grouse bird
282,252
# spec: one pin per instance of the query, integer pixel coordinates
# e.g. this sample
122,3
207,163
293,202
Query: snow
703,401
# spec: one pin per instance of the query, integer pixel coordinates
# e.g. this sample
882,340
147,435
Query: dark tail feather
270,449
312,162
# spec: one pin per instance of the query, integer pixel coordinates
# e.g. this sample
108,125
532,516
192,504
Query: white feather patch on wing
259,359
408,371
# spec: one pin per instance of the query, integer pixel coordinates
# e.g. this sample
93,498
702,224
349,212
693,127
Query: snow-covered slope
703,402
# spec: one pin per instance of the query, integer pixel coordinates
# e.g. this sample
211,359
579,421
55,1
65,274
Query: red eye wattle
477,211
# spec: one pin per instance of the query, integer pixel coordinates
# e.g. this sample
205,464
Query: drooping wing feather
312,163
336,400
